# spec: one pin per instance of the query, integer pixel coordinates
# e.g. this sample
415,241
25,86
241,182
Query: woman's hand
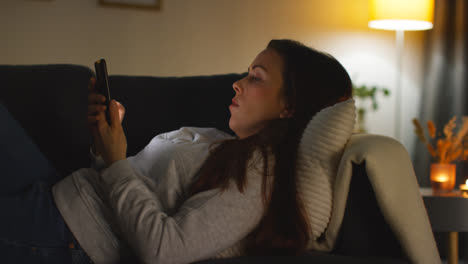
112,137
109,139
95,106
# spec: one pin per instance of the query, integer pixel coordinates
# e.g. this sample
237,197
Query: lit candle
464,187
440,182
441,178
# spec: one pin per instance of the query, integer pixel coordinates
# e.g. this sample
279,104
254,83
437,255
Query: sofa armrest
364,231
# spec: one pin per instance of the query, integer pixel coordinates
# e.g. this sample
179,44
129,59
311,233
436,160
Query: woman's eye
253,78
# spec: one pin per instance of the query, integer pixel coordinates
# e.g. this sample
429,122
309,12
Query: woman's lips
234,103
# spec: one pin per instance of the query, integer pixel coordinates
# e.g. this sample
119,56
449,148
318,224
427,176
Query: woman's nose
236,87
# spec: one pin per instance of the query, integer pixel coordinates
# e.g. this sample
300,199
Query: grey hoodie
140,206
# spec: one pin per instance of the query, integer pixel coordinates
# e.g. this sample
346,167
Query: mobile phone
102,83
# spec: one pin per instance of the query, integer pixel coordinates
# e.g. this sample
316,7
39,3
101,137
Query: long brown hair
312,80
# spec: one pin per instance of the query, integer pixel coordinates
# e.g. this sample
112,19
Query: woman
194,193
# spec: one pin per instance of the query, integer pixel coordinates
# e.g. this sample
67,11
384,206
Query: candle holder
443,177
464,189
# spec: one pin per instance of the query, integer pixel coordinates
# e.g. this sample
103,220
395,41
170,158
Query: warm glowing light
401,14
441,178
395,24
464,188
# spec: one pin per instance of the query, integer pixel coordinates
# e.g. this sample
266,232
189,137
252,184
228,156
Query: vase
443,177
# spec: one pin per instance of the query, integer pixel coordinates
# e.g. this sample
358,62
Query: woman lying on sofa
190,194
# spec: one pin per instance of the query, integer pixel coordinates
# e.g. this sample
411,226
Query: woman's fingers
92,120
114,113
95,108
91,84
101,121
121,109
95,98
96,117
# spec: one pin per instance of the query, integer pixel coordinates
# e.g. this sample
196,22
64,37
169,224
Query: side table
447,213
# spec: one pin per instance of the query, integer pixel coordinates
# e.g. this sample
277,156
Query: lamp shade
401,14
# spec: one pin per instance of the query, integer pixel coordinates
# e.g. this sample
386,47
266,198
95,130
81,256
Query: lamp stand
400,41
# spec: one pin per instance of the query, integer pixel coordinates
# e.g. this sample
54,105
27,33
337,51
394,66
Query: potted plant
365,93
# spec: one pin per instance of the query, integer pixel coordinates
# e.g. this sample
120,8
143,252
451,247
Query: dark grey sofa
50,102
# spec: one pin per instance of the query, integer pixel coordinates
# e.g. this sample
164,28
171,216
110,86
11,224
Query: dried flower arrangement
450,148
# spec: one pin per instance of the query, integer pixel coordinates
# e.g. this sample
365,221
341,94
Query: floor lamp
401,16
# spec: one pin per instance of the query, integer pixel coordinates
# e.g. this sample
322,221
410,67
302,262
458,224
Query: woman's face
259,96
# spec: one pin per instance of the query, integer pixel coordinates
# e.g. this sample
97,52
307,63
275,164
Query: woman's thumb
114,113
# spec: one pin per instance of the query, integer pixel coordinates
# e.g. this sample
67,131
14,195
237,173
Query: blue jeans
32,229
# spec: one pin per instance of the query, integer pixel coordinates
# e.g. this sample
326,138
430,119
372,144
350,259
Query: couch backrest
159,104
50,102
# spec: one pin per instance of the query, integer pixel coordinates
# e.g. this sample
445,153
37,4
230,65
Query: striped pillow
320,150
